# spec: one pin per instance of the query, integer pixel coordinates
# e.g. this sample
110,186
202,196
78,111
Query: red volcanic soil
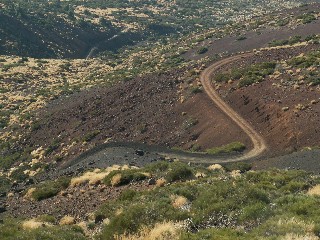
258,39
262,105
146,109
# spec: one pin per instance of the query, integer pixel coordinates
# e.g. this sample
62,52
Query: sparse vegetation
241,38
306,18
179,172
123,177
12,229
166,199
248,75
202,50
49,189
91,135
291,41
229,148
256,200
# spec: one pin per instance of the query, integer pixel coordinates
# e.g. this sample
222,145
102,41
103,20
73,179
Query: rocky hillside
73,29
167,201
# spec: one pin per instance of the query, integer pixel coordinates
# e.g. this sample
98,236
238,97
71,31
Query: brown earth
258,38
78,201
135,111
152,113
261,104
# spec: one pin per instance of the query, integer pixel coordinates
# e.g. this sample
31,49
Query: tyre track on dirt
259,144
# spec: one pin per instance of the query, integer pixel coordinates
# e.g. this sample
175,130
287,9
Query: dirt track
259,145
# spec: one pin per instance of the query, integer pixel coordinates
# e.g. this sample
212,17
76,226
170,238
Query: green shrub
241,38
136,214
195,90
19,174
46,218
190,122
316,230
229,148
128,195
127,176
50,188
307,18
11,229
255,213
157,167
221,77
5,184
54,146
90,136
242,166
179,172
202,50
283,22
295,187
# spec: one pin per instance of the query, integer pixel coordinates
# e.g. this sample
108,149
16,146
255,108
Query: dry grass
179,201
96,176
314,190
235,173
116,179
28,195
33,224
67,220
216,167
84,227
92,178
307,227
291,236
161,231
161,182
200,175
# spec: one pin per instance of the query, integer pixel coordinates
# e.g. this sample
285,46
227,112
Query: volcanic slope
153,113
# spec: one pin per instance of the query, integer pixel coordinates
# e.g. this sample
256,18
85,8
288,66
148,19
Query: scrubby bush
241,38
265,203
202,50
229,148
195,90
90,136
12,229
306,18
221,77
118,178
19,174
52,147
242,166
50,188
248,75
46,218
179,172
5,184
157,167
128,195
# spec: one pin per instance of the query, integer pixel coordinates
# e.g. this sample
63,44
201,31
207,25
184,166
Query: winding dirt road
259,145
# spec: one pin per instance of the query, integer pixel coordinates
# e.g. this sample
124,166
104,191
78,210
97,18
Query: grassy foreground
186,202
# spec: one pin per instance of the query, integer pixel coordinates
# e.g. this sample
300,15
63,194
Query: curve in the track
259,145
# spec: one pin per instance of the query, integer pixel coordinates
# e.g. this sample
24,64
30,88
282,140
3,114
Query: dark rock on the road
140,152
